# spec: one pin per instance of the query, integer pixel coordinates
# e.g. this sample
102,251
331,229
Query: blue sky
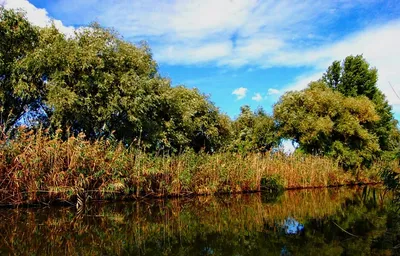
243,51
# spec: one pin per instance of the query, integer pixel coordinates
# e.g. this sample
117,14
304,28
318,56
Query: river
337,221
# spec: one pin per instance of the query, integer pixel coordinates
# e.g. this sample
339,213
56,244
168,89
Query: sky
243,52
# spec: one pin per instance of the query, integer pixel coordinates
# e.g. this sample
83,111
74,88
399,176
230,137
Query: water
355,221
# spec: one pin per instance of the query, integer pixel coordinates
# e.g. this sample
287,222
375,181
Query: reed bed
40,168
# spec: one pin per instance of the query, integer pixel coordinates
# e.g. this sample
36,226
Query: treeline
98,84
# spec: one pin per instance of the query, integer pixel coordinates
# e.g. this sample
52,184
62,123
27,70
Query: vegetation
354,78
343,115
98,84
254,132
325,122
91,113
17,38
38,168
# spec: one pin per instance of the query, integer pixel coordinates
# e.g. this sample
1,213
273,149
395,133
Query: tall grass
37,167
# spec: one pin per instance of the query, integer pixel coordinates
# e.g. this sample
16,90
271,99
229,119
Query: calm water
347,221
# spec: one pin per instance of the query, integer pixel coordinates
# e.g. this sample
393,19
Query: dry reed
39,168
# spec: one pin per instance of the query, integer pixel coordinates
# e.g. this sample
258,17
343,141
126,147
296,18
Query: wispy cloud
224,32
379,45
257,97
240,92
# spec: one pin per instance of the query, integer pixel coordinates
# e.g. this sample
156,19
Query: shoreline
130,198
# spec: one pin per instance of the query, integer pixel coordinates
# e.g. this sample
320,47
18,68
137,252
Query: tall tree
354,77
96,83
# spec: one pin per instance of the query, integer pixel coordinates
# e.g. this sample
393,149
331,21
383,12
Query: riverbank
38,168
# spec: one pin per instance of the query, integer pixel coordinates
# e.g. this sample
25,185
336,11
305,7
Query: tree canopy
192,120
18,38
354,77
325,122
254,131
343,115
99,84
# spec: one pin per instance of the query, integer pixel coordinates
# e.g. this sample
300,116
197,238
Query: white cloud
378,44
175,19
37,16
233,33
249,50
226,32
240,93
272,91
257,97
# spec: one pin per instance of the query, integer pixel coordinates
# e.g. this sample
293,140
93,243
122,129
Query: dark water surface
346,221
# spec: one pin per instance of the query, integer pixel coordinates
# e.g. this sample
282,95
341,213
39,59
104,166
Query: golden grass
37,167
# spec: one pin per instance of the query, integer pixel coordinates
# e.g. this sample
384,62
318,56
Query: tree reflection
305,222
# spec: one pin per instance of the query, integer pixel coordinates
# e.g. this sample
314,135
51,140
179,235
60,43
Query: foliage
254,131
325,122
99,84
272,183
191,120
98,87
344,115
18,38
36,167
354,77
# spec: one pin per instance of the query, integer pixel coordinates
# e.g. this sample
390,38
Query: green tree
354,77
325,122
18,38
254,131
96,83
99,84
191,120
